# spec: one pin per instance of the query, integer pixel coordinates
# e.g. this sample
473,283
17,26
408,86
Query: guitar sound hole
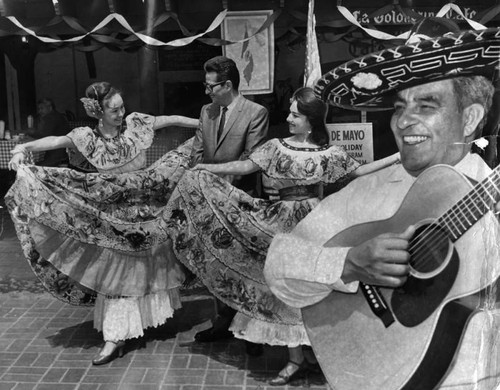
428,248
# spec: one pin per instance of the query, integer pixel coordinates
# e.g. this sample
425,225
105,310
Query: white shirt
230,108
301,271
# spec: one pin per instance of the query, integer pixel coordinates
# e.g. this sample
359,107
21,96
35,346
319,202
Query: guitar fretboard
466,212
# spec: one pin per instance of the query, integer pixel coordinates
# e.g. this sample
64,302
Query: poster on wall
254,57
355,138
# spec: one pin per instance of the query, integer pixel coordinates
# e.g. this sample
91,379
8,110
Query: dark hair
102,91
47,101
315,111
474,89
225,68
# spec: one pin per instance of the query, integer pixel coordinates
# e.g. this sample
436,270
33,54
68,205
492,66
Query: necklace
300,143
100,131
114,146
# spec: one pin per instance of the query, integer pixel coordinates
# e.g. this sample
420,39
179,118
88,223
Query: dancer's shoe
118,351
286,375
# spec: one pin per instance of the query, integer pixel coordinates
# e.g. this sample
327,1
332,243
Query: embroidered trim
316,149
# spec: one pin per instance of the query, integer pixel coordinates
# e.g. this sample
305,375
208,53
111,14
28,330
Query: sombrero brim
365,83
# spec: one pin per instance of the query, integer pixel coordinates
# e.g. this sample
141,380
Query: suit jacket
54,123
245,129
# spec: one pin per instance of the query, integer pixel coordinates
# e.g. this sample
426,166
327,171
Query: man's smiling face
428,126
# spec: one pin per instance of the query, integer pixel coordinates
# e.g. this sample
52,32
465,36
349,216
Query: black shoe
118,351
213,334
254,349
299,371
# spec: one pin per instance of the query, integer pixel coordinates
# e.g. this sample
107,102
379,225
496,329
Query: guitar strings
423,238
451,217
426,244
428,240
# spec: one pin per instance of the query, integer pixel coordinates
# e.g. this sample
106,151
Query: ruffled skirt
88,234
222,235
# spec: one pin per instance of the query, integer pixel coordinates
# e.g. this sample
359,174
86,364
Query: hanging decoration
312,69
123,22
129,38
406,35
136,37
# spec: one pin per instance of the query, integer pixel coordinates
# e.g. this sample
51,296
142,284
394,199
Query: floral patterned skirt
84,234
222,235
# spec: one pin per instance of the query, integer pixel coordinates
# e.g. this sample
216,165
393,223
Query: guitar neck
466,212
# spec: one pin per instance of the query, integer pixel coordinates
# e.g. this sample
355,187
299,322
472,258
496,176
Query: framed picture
254,57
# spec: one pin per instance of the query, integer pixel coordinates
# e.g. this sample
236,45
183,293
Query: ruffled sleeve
336,163
125,151
280,161
263,155
83,139
140,129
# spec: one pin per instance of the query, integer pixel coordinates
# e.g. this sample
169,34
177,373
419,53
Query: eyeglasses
210,87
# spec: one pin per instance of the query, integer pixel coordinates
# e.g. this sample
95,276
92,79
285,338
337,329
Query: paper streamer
140,35
385,36
450,6
189,37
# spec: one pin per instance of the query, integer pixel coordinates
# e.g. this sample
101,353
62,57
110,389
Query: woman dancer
96,229
222,234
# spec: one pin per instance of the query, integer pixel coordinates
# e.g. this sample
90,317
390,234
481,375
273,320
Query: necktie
221,123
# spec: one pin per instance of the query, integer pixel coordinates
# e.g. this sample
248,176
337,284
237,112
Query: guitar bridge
377,304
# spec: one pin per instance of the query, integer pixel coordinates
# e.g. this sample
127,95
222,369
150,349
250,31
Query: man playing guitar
396,273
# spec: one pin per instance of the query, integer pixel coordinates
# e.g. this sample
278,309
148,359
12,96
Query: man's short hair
47,101
225,68
474,89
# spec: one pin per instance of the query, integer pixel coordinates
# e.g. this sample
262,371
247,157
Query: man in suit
231,127
440,99
50,122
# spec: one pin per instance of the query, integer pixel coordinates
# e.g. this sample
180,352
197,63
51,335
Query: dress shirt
222,122
300,271
230,109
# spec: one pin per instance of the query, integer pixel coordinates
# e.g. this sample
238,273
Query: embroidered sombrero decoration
367,82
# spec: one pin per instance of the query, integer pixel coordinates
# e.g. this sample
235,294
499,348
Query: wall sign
393,17
355,138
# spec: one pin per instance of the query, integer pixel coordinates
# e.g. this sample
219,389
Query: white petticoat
126,318
262,332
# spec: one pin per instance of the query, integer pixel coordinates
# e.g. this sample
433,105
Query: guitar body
356,350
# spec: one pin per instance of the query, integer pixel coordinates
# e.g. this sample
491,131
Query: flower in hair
366,80
92,106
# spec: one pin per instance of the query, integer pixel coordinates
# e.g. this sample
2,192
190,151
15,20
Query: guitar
406,338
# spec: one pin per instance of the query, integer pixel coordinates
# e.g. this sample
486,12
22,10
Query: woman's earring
100,123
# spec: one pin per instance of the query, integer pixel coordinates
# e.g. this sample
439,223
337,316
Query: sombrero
367,82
